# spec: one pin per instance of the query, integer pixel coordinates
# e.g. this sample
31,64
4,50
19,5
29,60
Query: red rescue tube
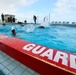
44,60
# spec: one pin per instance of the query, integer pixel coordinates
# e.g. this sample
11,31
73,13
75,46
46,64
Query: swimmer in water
13,31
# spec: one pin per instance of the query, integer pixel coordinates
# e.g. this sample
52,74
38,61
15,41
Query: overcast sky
59,10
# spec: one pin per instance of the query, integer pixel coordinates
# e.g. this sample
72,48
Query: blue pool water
55,36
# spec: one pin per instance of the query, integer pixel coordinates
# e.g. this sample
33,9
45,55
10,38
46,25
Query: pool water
55,36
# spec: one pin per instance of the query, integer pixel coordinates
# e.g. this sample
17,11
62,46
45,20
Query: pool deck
10,66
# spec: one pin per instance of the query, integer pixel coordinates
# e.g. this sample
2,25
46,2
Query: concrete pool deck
10,66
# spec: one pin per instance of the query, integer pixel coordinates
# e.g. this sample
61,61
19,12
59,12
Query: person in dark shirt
34,18
2,16
8,19
13,20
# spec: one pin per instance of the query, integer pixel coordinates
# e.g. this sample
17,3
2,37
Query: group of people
10,19
13,29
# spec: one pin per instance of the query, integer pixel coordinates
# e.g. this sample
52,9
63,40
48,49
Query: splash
45,23
29,28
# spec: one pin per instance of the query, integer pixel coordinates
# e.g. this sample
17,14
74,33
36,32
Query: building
52,22
67,22
59,22
73,23
56,22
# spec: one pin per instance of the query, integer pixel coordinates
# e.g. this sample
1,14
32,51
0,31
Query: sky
59,10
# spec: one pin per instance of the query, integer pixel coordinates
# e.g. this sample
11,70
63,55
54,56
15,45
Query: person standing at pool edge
34,18
2,17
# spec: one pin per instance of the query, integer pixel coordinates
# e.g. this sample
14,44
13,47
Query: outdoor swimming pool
54,36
